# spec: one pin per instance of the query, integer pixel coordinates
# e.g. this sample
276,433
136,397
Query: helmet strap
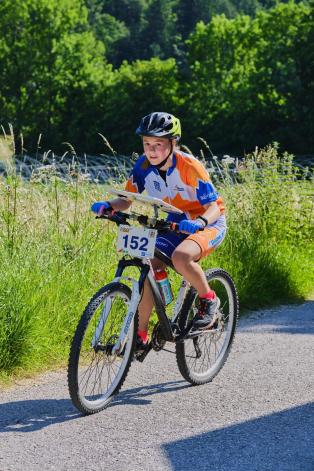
161,164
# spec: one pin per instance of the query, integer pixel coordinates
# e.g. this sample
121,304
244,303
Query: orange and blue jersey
187,185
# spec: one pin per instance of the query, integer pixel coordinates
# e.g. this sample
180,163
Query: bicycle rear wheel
200,358
95,373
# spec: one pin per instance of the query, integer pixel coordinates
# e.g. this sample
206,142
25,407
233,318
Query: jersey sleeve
198,178
135,182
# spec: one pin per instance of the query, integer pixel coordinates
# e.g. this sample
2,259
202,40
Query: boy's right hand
100,207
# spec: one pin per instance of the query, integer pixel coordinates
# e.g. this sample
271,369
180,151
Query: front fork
132,308
137,286
133,304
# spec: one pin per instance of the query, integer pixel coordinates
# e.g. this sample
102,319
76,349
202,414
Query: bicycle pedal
141,355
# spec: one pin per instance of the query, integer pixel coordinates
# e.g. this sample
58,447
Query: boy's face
156,148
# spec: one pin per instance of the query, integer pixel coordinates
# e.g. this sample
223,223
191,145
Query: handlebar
153,223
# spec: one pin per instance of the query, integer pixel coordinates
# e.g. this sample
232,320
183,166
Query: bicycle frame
169,328
137,287
200,353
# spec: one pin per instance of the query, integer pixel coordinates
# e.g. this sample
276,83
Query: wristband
203,219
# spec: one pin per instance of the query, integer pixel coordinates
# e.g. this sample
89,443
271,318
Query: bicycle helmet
160,124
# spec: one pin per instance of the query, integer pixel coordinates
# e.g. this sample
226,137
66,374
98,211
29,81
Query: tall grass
269,247
54,254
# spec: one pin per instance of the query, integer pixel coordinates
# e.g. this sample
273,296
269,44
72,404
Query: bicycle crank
157,342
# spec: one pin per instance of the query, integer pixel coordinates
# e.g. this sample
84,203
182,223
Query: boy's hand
186,225
100,207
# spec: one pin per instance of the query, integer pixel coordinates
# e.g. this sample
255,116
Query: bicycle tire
185,359
90,404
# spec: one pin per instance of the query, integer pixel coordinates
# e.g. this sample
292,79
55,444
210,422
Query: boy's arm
120,204
206,193
212,212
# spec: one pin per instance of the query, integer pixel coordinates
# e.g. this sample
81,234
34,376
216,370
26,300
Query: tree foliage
107,28
51,66
239,80
248,77
131,14
138,89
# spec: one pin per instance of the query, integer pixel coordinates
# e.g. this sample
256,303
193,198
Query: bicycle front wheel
95,372
201,357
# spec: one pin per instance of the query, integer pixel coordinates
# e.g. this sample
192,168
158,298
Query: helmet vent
159,124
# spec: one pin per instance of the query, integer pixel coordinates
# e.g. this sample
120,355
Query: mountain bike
104,344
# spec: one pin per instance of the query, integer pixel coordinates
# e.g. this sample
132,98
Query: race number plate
136,241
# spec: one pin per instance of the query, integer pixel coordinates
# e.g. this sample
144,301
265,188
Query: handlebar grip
115,216
106,215
174,226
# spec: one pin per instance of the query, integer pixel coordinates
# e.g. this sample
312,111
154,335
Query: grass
269,247
55,255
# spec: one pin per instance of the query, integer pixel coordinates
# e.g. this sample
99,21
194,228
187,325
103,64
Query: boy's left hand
186,225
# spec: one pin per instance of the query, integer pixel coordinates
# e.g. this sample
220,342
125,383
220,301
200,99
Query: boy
181,180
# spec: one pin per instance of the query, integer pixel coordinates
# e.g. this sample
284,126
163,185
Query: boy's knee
180,258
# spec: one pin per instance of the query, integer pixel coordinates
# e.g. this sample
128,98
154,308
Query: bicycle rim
201,358
96,373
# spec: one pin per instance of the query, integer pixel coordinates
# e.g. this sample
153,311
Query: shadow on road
281,442
136,396
31,415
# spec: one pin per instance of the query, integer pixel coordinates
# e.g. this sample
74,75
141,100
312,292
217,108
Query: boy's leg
192,249
146,304
185,259
165,242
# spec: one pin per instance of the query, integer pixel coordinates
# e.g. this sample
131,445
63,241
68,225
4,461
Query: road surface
257,414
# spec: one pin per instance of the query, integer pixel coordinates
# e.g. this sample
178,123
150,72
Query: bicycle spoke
213,344
89,370
98,370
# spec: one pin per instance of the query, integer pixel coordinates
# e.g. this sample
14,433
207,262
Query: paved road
257,415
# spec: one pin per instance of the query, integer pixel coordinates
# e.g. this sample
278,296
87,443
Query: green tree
133,15
248,7
278,82
138,89
106,28
247,82
160,36
51,68
304,100
220,60
190,12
